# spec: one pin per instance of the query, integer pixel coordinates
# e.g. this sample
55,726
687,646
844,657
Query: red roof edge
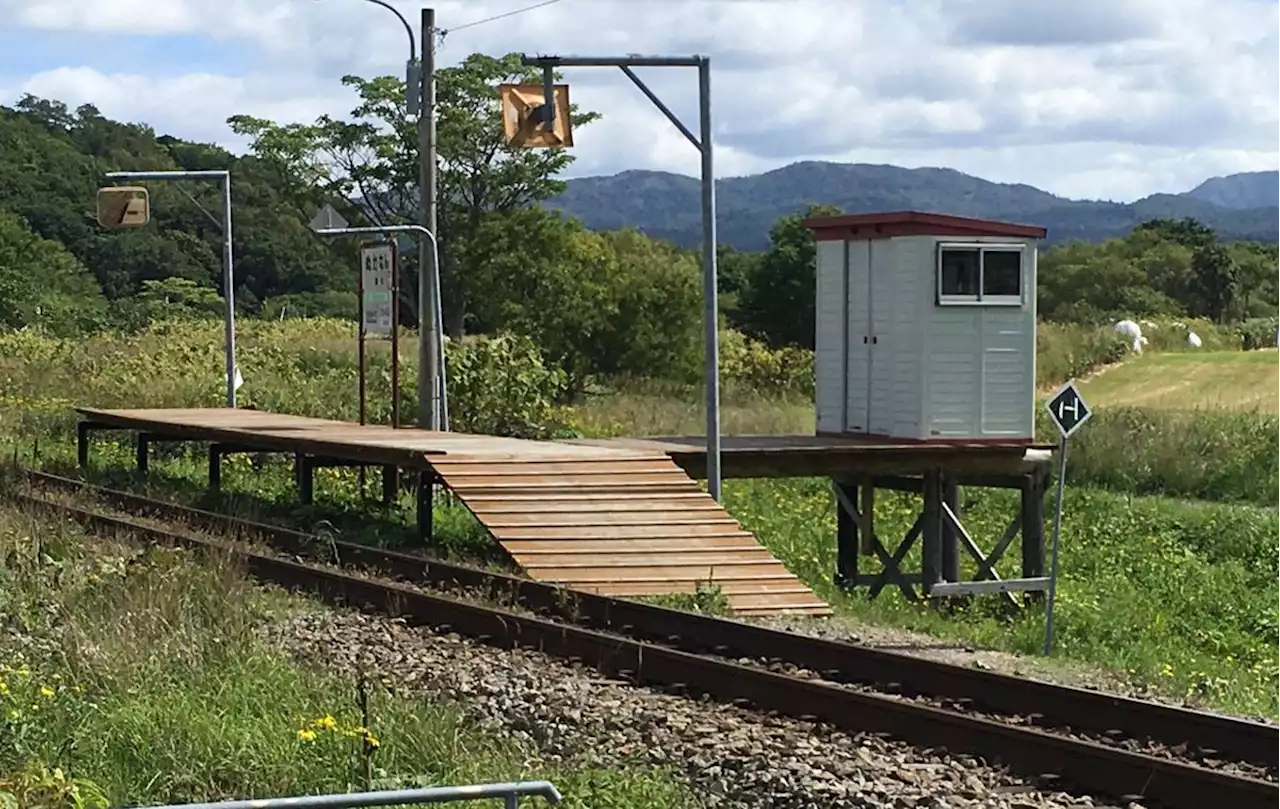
914,223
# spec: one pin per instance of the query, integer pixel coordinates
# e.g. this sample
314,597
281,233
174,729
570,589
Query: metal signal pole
429,328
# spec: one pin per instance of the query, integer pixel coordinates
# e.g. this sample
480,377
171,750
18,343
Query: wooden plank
663,573
563,480
659,560
728,589
693,502
552,519
526,548
554,488
584,466
619,532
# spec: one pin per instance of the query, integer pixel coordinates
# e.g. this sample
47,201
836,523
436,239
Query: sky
1090,99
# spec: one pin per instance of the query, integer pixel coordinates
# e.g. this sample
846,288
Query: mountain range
667,206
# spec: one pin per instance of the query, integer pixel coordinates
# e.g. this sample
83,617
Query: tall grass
1204,454
141,669
1180,596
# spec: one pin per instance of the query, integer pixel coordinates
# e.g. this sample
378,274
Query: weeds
142,675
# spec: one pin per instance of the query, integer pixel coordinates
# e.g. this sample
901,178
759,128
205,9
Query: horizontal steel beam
961,588
387,797
613,61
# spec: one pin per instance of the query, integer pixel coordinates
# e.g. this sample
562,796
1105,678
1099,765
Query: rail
1085,764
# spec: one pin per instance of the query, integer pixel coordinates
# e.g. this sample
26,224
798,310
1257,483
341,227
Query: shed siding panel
909,293
1008,381
829,337
858,356
954,369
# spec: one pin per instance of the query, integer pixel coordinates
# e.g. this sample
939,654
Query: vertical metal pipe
709,278
360,337
1053,563
228,284
428,297
395,335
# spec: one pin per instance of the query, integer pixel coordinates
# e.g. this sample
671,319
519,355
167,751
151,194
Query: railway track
1070,738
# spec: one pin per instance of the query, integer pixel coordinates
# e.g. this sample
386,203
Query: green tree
603,304
777,304
482,182
1215,280
1187,232
43,284
735,271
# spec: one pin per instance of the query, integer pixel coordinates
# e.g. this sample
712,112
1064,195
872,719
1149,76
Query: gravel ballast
733,757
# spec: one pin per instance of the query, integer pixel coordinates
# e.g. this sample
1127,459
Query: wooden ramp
610,520
623,525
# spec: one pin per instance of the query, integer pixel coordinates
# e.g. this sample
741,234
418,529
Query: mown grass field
1244,381
1169,554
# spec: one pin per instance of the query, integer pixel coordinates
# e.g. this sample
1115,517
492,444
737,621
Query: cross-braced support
941,535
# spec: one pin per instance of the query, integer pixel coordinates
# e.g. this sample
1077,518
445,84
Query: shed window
980,274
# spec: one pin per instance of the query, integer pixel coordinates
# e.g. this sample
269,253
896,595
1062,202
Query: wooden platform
612,520
750,456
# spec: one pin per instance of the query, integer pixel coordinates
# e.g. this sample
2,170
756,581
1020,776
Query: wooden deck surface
617,521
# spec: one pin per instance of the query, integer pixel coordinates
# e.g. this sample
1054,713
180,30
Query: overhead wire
443,32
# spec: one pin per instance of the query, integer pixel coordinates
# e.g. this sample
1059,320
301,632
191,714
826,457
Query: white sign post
1069,412
377,282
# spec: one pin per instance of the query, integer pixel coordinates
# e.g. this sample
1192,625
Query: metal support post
709,282
82,443
429,305
215,466
704,146
228,262
141,452
426,491
228,293
1053,563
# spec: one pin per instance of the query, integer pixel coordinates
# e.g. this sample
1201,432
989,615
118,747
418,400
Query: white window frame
981,299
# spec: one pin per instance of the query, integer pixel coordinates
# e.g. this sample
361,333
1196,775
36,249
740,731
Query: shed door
858,359
882,407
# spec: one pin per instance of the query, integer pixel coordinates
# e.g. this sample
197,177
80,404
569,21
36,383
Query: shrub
1072,350
757,368
500,385
1066,351
1258,332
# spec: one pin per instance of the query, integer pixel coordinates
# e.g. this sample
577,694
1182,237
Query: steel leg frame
941,534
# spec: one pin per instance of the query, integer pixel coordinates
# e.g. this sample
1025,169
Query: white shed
926,327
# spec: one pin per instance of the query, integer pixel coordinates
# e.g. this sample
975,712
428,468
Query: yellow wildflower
307,735
370,741
326,722
46,692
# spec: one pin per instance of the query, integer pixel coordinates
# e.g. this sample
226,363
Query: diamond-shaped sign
1067,408
328,219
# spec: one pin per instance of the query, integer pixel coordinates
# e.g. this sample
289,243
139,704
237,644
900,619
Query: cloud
1052,22
1099,98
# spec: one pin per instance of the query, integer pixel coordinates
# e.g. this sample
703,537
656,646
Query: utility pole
428,326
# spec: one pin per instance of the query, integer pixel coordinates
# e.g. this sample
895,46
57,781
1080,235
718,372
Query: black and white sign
377,264
1068,409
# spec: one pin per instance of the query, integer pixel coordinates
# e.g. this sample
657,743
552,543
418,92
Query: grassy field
1245,381
161,691
1169,553
1188,424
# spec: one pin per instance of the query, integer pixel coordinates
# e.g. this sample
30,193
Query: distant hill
1251,189
666,205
